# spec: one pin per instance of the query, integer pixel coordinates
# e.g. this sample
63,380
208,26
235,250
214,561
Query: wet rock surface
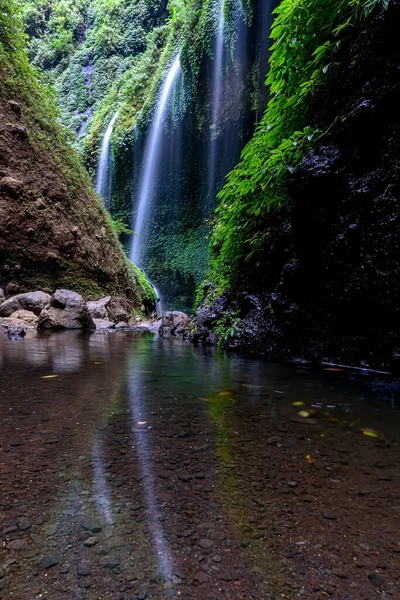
30,301
174,323
327,283
132,467
65,310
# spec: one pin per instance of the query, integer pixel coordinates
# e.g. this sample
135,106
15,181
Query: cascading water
104,169
148,177
216,92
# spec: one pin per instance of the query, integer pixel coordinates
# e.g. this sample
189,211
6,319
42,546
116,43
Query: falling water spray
104,169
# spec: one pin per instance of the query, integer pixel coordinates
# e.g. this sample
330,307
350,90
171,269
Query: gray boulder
98,308
32,301
66,310
119,309
175,323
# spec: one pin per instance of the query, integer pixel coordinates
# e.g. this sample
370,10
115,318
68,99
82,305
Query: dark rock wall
330,288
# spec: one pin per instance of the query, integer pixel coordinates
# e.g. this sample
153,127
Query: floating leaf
142,422
370,432
225,394
49,376
204,399
251,386
304,413
298,403
309,459
98,362
333,369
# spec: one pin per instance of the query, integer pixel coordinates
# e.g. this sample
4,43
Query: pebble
10,529
206,544
49,561
17,545
340,573
24,524
375,579
92,526
329,515
90,542
83,571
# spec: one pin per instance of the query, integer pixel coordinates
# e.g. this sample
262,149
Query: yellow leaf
309,459
370,432
304,414
298,403
98,362
225,394
204,399
49,376
333,369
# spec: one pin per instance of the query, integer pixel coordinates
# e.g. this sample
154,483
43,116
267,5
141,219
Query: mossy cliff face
54,230
325,285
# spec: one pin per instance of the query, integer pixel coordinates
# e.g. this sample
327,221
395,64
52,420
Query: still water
136,467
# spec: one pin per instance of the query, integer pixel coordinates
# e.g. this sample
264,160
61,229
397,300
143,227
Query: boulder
16,333
32,301
104,324
26,316
15,107
119,309
12,187
2,296
175,323
98,308
11,323
66,310
121,325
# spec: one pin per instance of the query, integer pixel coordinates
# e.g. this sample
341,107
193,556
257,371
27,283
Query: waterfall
148,177
216,92
104,169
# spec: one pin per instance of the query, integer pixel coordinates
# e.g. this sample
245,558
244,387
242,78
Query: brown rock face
30,301
54,231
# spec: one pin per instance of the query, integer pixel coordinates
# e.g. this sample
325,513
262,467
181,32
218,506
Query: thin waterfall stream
104,170
148,174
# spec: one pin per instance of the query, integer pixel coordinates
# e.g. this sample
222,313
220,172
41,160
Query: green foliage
306,35
149,293
227,327
120,228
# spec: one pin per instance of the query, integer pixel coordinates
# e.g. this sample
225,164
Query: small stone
84,584
111,564
292,483
90,542
65,570
184,477
245,543
12,187
24,523
329,515
375,579
10,529
206,544
49,561
92,526
83,571
142,595
340,573
17,545
201,577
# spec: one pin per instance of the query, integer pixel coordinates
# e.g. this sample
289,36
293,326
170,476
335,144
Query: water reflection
101,489
142,446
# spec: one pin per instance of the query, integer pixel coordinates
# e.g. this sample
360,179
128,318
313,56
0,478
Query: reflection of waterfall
101,490
141,437
104,169
148,179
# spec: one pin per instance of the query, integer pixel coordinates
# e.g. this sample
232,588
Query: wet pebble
375,579
49,561
90,542
17,545
92,526
206,544
24,524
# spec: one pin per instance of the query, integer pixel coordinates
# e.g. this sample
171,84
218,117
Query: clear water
197,468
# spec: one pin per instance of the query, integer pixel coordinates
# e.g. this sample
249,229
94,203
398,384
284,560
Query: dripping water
104,169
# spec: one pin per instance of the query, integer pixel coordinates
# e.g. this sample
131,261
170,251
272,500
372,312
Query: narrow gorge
199,299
